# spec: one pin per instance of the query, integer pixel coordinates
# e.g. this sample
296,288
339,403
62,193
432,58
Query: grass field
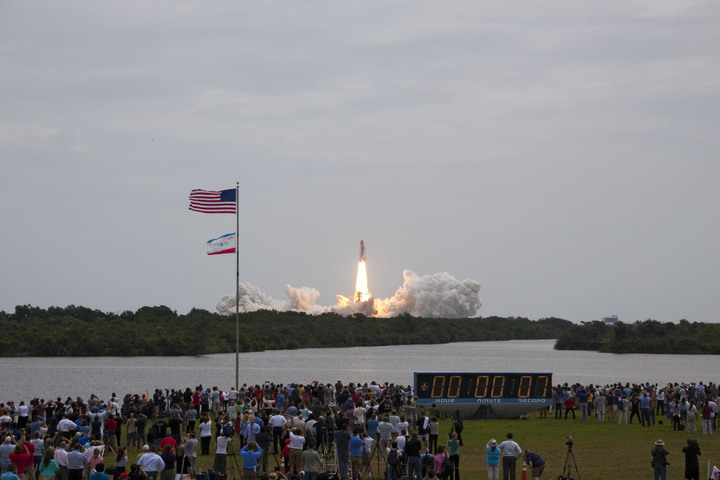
602,451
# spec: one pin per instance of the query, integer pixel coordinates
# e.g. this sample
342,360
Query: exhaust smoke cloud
438,295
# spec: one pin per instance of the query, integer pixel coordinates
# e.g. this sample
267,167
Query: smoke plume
439,295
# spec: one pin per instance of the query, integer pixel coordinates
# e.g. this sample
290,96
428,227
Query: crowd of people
681,404
308,428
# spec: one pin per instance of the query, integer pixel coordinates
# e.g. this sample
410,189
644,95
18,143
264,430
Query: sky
562,154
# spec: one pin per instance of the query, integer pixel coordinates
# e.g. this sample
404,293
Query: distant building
611,320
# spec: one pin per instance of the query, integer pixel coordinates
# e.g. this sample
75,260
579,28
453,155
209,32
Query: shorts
537,471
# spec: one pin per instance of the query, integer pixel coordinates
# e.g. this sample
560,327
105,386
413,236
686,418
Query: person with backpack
393,460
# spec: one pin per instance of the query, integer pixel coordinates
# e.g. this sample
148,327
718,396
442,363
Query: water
26,378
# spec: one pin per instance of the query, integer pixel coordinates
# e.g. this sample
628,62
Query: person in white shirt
511,451
220,464
297,443
60,456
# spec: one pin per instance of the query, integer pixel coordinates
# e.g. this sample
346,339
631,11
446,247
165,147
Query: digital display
483,386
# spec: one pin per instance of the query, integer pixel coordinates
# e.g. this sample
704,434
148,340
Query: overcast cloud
563,154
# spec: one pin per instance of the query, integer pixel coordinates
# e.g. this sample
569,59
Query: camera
569,441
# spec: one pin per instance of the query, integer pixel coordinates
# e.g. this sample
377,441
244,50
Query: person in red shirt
167,441
110,433
570,407
23,460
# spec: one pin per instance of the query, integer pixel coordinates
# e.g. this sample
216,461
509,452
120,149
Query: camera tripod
238,470
569,463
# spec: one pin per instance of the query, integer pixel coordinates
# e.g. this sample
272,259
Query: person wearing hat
493,459
659,460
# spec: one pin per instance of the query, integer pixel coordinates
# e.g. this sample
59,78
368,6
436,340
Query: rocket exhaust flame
362,294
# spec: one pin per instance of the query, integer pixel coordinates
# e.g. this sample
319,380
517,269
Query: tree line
649,336
160,331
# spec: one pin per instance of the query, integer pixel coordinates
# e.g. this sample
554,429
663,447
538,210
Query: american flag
208,201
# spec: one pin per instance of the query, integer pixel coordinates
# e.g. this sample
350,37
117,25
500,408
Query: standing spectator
441,470
221,448
454,452
61,457
342,447
583,395
659,460
356,448
692,465
121,460
644,408
434,433
457,423
191,452
676,415
76,460
385,433
691,421
412,453
140,430
48,467
23,460
661,402
205,435
622,410
311,461
600,405
492,459
511,451
707,412
297,444
131,438
169,458
151,463
569,406
250,454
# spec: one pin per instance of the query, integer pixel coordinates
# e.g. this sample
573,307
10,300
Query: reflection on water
25,378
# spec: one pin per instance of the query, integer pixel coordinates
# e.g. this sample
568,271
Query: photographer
250,454
659,461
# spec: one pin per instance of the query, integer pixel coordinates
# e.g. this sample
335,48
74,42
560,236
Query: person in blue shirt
356,447
644,408
583,395
250,454
100,473
372,426
535,462
492,459
11,473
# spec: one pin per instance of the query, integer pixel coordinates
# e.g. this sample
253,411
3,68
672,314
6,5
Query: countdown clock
484,395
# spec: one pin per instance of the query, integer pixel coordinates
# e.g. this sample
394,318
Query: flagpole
237,289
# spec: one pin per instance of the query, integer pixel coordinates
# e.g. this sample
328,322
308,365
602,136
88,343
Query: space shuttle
363,258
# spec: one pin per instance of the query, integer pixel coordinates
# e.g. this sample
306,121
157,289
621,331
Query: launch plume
252,298
439,295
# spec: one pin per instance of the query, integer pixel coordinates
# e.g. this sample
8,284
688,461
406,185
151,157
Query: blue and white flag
224,244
